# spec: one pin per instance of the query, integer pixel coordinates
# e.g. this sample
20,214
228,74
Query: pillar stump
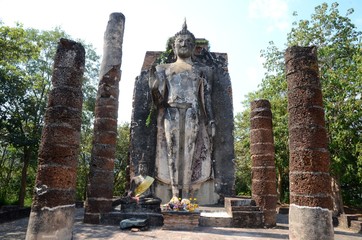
264,190
100,179
52,211
310,184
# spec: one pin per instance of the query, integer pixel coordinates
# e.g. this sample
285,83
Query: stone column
100,179
52,212
264,190
310,185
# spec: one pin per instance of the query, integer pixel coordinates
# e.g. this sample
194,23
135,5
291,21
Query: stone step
356,226
234,202
215,219
345,220
240,201
248,219
244,208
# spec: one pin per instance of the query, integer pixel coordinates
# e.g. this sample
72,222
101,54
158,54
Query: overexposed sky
240,28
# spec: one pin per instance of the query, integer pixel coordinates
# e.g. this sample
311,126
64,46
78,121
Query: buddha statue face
184,45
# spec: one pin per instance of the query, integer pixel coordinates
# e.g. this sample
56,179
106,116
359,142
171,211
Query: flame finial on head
184,31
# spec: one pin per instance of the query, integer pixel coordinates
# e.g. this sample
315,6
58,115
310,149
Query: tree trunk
280,184
24,173
337,196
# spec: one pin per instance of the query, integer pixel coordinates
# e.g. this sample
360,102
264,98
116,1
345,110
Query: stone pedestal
125,210
180,220
244,212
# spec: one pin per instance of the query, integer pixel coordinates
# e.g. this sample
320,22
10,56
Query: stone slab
180,220
114,218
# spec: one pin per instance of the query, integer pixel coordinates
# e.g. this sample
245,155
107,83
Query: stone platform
237,212
180,220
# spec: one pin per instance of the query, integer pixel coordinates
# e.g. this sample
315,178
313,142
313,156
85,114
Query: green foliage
340,62
242,154
122,155
26,62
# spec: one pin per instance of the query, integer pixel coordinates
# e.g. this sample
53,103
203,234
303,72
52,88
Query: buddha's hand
212,128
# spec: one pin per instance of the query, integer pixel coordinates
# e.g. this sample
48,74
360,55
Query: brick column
264,190
100,179
52,212
310,184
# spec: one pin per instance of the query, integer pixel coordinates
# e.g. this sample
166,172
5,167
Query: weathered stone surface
261,135
65,96
105,150
55,150
231,202
52,213
261,148
310,223
248,219
98,205
263,173
104,163
269,203
213,221
310,185
59,134
114,218
309,115
263,160
305,97
260,123
180,220
263,166
62,176
321,200
54,223
307,137
100,184
144,134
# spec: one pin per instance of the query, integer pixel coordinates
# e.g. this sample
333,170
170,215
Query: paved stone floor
16,230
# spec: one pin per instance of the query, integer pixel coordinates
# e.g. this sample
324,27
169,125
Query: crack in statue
182,92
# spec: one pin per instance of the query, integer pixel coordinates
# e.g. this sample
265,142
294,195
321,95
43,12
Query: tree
340,55
122,154
25,70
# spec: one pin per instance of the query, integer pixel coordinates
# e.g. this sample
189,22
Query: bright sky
240,28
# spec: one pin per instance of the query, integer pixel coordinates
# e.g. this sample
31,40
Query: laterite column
52,211
310,184
101,172
264,190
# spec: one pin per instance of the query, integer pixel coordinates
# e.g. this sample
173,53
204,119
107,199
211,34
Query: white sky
240,28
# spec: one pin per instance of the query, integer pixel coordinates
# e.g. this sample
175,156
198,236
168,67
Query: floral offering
178,204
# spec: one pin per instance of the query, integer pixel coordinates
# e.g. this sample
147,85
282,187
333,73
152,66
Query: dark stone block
114,218
245,219
11,213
